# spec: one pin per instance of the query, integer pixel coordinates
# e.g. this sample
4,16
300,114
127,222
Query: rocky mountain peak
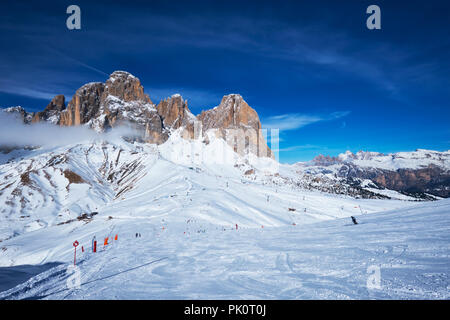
121,100
52,113
58,103
175,112
126,87
233,112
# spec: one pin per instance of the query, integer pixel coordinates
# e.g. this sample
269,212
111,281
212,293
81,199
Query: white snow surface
289,243
324,260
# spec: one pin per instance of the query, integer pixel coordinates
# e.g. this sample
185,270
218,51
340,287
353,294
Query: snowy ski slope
325,260
209,230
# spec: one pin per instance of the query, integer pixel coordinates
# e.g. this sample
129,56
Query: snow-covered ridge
393,161
421,173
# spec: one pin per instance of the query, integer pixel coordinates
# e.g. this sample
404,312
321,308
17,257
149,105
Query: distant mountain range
422,174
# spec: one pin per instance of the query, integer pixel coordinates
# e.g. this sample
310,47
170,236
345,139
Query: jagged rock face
84,106
126,87
432,180
52,113
154,130
121,101
176,114
124,102
234,113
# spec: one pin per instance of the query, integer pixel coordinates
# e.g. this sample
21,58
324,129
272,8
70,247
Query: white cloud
299,147
26,92
294,121
14,133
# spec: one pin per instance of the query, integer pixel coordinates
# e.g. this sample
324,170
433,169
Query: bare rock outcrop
125,87
176,114
238,124
84,106
52,113
119,101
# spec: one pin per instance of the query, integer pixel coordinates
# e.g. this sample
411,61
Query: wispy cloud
78,62
20,90
299,147
294,121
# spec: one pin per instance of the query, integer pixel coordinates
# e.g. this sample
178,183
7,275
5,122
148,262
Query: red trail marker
94,244
75,244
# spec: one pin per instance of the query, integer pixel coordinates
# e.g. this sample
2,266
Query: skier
354,220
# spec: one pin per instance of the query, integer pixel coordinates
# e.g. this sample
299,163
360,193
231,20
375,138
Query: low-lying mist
14,133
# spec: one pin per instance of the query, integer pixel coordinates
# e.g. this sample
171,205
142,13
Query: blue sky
310,68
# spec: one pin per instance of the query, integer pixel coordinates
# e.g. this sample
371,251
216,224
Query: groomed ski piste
203,230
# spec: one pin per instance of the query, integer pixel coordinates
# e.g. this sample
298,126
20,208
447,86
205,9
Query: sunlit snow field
209,232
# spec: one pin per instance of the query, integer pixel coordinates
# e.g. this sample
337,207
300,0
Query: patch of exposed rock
238,124
52,113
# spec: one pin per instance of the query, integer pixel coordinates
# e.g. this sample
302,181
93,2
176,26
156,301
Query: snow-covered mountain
422,174
182,182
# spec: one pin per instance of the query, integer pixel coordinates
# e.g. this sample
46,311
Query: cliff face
52,113
121,101
84,106
176,114
125,87
237,123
